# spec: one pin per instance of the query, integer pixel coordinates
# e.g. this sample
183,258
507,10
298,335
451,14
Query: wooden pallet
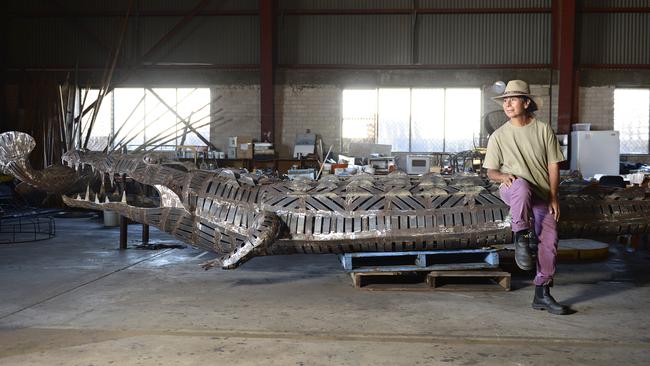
465,280
469,280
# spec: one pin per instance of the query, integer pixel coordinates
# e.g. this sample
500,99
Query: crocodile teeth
124,196
97,199
106,200
78,197
87,198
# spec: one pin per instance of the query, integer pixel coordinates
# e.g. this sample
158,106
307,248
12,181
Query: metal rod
168,140
168,131
323,163
107,82
205,141
122,142
112,139
168,137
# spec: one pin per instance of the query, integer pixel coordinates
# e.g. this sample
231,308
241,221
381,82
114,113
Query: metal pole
123,232
145,234
205,141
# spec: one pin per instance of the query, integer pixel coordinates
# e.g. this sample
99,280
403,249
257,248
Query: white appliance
595,152
418,164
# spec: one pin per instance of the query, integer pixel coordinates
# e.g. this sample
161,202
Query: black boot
522,251
544,301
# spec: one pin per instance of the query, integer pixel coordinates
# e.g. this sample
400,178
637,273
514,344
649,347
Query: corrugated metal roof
480,39
621,38
345,39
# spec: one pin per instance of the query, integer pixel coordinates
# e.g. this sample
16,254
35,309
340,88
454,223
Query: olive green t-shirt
525,152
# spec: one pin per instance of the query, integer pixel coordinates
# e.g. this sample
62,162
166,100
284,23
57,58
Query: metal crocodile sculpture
240,216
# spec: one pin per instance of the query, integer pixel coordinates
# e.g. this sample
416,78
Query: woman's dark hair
532,107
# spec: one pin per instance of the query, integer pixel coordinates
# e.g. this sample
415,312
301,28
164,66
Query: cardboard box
235,141
245,150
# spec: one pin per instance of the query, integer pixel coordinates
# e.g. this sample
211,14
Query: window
632,119
150,118
413,120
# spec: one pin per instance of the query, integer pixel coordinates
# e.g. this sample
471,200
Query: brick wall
299,108
597,107
240,113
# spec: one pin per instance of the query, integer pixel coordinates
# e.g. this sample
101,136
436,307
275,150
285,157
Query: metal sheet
480,39
204,40
614,3
408,4
345,39
620,38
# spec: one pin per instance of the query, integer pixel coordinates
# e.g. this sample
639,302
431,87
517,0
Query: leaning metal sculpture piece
240,216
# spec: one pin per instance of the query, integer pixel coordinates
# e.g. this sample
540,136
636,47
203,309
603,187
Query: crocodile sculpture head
240,216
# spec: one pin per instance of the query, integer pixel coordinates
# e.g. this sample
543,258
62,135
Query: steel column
267,61
565,51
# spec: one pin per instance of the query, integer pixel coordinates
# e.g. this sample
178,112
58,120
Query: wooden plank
389,281
500,278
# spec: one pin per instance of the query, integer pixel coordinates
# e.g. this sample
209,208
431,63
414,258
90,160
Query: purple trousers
522,202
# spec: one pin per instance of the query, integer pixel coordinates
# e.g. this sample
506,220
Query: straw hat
518,88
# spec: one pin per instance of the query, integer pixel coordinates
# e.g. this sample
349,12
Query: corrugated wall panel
460,4
408,4
484,38
345,4
121,5
622,38
204,40
57,41
188,5
614,3
347,39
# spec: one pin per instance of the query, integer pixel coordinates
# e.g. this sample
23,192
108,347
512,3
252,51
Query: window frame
647,150
377,116
203,126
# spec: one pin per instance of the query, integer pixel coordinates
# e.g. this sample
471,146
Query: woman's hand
554,209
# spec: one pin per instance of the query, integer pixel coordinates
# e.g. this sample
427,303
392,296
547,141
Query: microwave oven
418,164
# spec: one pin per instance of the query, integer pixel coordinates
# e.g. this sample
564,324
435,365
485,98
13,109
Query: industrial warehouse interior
325,182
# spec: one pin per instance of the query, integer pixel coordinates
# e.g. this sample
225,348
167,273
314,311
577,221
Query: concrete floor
77,300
